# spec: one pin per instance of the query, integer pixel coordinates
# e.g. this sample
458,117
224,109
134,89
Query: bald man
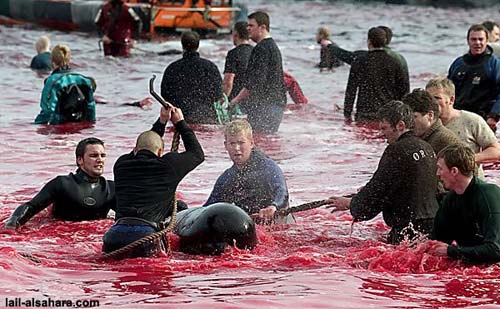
145,184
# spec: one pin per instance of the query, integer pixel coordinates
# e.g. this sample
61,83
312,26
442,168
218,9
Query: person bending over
146,180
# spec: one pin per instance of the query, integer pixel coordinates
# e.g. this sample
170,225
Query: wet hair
460,156
61,55
489,25
82,146
190,41
388,34
476,28
149,140
262,18
422,102
395,111
324,33
241,30
442,82
377,37
42,44
238,126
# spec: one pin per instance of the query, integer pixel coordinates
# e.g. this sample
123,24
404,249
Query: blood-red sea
322,261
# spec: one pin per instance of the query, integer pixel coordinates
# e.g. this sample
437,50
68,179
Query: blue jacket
477,83
260,183
56,84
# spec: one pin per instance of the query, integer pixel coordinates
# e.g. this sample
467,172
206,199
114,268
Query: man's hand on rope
338,203
265,215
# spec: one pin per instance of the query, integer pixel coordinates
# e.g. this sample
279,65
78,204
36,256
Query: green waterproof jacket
66,97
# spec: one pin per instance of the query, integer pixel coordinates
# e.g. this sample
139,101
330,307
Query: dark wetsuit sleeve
186,161
159,127
342,54
373,197
489,249
38,203
351,89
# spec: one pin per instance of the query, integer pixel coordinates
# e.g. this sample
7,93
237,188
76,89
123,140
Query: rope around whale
159,234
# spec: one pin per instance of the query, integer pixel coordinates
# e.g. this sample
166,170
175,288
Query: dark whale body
209,230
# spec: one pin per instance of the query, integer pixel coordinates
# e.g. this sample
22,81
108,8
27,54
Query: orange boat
199,15
191,14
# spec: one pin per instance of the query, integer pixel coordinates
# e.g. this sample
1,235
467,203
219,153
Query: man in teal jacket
66,96
467,224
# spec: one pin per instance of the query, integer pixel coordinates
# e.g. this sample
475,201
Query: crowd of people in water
429,181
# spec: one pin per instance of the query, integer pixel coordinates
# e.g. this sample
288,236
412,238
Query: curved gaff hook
156,95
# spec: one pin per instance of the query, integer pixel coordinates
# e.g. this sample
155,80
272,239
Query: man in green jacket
467,224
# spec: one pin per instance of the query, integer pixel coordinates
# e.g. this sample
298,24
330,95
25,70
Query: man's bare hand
338,203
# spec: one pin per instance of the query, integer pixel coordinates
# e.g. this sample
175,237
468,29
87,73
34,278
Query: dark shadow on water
66,128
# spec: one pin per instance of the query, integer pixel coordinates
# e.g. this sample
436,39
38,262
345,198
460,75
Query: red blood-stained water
322,261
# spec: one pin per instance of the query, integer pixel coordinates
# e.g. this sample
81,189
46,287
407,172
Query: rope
30,257
306,206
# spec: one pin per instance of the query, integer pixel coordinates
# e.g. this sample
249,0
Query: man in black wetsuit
193,83
264,96
146,181
403,187
84,195
467,223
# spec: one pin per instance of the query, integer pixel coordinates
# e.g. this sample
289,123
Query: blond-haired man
254,183
470,128
42,60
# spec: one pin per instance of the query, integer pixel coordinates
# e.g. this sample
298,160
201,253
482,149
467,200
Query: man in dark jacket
85,195
146,182
476,76
192,83
349,56
467,224
375,79
403,187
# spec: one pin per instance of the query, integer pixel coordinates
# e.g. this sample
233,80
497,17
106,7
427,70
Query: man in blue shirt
255,183
476,76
